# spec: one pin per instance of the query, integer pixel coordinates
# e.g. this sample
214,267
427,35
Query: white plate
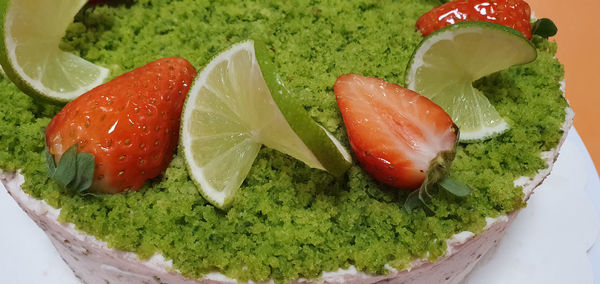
542,246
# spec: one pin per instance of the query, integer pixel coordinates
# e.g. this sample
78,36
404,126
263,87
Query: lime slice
448,61
230,113
29,52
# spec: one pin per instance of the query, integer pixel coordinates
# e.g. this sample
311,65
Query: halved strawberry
511,13
397,135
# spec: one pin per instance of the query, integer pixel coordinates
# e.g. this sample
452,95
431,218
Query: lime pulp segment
228,115
447,62
30,53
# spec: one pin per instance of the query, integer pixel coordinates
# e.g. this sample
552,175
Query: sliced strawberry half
397,135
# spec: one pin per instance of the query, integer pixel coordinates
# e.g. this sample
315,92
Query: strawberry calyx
74,170
437,177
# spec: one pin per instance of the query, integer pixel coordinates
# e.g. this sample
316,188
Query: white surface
546,244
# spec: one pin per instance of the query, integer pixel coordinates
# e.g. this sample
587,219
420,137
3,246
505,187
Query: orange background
578,41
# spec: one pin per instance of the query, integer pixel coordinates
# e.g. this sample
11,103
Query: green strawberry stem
437,177
74,171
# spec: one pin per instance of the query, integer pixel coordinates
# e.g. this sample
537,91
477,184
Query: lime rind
448,61
228,115
30,54
330,152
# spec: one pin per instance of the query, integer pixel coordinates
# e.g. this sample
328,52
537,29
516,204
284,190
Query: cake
289,223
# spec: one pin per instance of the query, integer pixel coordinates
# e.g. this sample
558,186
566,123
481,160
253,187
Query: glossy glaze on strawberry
511,13
130,124
395,133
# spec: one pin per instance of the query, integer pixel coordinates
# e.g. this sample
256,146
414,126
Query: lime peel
329,151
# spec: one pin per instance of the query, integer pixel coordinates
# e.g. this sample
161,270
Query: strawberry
515,14
130,125
397,135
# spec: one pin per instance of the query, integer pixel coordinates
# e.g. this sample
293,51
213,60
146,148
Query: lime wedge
29,52
448,61
230,112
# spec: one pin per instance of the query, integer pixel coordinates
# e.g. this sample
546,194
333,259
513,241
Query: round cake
288,222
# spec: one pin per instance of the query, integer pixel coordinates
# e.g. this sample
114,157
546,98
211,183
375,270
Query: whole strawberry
512,13
398,136
129,125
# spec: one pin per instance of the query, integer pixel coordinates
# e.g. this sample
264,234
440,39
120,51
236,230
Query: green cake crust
289,221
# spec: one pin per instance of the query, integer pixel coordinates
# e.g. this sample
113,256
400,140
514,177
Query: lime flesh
229,114
30,54
448,61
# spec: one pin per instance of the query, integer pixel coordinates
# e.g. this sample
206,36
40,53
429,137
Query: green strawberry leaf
455,187
85,172
544,27
67,167
75,171
417,199
412,202
50,164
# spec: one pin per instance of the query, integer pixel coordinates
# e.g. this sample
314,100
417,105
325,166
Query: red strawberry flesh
395,133
511,13
130,124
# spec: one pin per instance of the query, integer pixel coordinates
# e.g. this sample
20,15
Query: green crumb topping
289,221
